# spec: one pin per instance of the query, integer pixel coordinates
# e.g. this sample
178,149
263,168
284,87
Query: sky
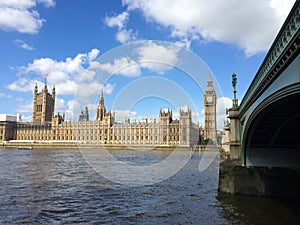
145,55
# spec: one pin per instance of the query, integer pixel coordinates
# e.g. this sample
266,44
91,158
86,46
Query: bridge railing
286,34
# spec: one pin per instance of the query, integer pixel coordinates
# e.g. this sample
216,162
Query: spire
101,110
35,89
209,79
101,101
209,85
209,76
45,82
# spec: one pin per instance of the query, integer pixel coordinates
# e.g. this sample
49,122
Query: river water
60,187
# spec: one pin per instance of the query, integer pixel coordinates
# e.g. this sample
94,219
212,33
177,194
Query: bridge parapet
284,47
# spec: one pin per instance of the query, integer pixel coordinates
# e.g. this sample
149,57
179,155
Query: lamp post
234,100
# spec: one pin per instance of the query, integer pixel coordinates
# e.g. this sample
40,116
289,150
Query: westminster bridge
264,127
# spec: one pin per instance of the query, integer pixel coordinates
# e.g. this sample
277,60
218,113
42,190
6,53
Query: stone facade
7,130
163,130
43,105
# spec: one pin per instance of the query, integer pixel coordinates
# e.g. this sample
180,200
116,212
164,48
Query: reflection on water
58,186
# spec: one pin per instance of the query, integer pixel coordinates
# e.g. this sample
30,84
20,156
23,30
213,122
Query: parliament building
104,130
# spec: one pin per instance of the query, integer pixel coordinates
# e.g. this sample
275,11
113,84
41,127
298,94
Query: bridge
269,114
265,127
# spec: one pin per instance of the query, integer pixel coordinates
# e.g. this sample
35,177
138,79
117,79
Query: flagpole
46,75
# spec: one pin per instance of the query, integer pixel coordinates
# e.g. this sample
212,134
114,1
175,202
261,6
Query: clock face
209,98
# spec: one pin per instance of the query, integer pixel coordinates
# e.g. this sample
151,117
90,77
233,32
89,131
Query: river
59,187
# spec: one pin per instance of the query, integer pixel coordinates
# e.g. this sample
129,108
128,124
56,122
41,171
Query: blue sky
77,42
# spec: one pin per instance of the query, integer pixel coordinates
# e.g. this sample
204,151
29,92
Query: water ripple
59,187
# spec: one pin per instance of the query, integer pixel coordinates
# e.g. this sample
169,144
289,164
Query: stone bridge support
235,140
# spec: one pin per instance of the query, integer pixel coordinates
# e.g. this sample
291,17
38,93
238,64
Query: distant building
7,125
84,116
163,130
8,118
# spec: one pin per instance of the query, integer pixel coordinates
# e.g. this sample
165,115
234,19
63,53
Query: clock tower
210,100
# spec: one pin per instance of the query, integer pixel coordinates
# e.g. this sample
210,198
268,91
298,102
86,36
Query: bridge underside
274,137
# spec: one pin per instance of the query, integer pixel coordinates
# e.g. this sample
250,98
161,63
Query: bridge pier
259,181
234,144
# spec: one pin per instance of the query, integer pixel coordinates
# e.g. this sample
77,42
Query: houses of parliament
104,130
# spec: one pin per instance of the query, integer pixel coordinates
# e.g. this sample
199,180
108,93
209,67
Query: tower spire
46,75
35,89
101,110
209,76
101,101
45,83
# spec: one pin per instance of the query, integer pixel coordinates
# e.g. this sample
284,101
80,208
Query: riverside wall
94,146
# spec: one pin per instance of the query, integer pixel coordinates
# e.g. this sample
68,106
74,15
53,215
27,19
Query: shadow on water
260,210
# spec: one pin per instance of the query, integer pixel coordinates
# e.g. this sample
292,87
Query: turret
35,89
53,92
84,116
35,93
53,97
43,105
165,116
101,110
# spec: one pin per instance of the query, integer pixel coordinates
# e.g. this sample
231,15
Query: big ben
210,125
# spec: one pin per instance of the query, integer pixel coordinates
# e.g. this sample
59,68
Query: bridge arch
272,133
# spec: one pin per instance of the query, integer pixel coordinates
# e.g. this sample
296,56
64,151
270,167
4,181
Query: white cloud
122,66
21,15
108,88
223,103
157,58
69,87
24,45
60,104
4,95
118,21
242,23
73,110
23,84
92,55
123,34
24,107
71,77
47,3
282,7
65,75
